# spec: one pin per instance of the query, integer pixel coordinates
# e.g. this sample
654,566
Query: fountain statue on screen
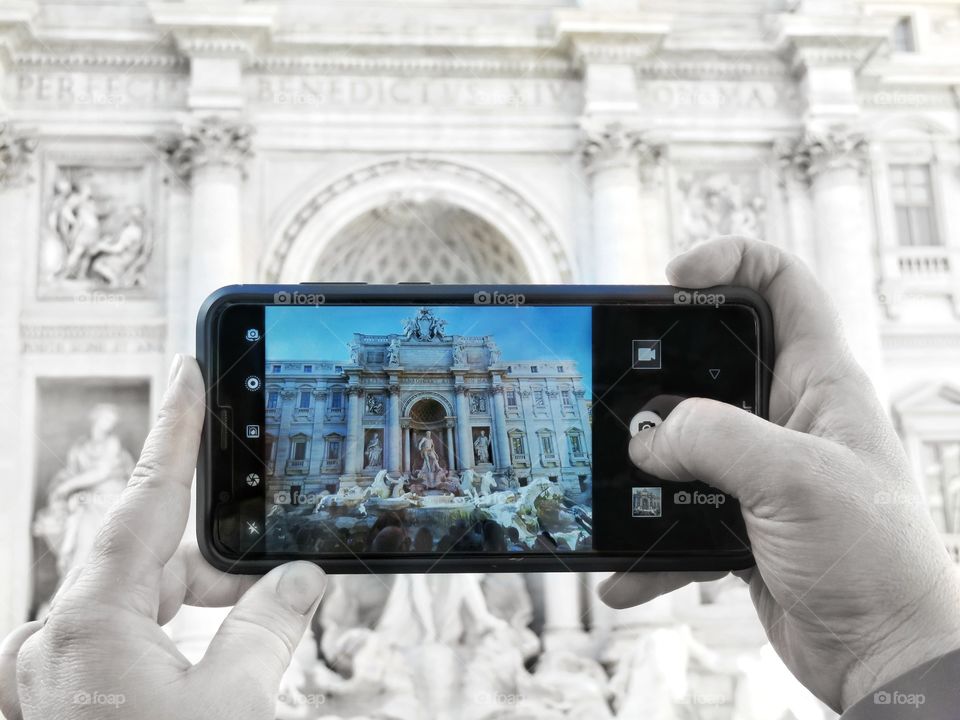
81,493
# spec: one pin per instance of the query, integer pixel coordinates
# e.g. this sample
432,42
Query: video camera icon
646,355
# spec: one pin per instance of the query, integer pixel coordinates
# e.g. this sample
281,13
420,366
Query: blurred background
153,151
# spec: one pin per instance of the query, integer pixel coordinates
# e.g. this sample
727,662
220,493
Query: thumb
259,636
731,449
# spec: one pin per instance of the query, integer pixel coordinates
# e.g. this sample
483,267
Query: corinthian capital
615,145
16,150
835,147
208,142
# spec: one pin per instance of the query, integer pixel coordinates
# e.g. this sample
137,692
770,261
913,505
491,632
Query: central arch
314,228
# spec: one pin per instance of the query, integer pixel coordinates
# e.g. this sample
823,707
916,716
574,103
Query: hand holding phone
455,428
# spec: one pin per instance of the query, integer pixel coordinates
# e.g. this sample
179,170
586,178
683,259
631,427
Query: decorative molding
439,65
835,147
275,258
89,59
209,141
16,155
613,144
829,40
74,338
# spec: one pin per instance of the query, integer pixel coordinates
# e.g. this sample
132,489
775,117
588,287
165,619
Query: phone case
425,293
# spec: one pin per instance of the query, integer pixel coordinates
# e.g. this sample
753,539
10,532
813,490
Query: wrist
924,631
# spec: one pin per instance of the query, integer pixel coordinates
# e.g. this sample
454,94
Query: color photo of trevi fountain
423,440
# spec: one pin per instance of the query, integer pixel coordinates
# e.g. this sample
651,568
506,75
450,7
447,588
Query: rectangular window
546,444
336,400
300,450
276,368
273,400
575,446
538,399
911,189
941,469
308,368
516,445
534,368
333,450
559,368
566,398
511,398
903,39
304,400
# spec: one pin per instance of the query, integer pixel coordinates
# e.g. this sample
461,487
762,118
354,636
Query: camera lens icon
252,383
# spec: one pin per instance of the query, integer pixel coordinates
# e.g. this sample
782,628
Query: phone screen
447,430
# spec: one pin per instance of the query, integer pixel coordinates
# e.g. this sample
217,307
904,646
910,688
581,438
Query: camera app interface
443,429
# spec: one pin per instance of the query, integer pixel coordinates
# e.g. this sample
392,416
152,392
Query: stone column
612,155
354,431
831,160
317,449
18,194
563,615
464,438
408,458
501,443
393,428
451,457
209,156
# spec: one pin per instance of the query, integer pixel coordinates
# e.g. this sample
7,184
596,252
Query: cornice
622,38
807,41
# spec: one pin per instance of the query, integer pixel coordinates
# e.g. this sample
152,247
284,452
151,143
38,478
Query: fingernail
175,368
301,585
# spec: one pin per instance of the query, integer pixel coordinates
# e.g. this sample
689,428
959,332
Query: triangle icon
714,373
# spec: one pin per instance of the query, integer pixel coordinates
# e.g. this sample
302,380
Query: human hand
853,583
102,647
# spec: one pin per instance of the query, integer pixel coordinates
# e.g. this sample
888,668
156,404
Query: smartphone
418,428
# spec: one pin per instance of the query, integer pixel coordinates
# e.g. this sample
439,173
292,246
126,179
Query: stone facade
331,425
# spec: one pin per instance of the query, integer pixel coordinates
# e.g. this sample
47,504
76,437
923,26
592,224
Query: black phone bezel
414,294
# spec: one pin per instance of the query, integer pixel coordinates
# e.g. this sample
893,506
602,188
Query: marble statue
431,461
459,356
481,448
374,451
494,351
120,260
354,353
81,493
393,352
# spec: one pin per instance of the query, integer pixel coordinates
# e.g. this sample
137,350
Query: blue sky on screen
523,333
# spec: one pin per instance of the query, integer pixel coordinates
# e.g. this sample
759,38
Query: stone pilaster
209,156
354,448
501,443
16,156
393,434
831,161
620,162
464,437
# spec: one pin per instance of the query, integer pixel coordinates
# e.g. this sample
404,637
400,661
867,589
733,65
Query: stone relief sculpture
478,403
719,203
16,152
424,326
459,355
81,493
94,235
374,405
